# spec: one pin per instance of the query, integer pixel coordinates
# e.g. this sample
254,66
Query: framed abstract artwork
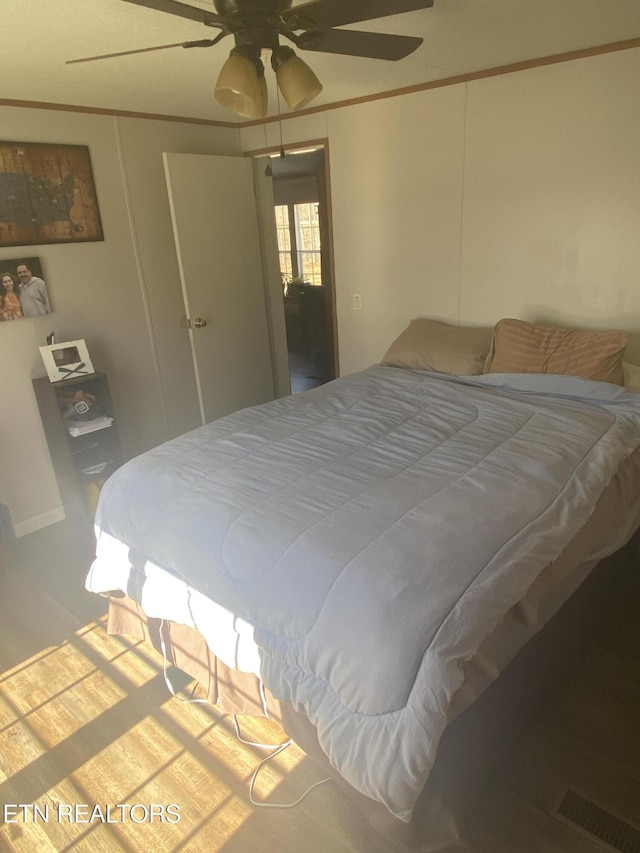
47,195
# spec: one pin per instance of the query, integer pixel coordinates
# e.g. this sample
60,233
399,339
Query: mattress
429,512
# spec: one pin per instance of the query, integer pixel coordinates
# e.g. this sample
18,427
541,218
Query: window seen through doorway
298,229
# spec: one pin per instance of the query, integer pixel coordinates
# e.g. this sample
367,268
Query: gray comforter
374,531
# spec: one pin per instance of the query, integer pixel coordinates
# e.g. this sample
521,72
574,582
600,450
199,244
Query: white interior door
216,233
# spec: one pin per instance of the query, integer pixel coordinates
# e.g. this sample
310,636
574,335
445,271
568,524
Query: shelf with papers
82,434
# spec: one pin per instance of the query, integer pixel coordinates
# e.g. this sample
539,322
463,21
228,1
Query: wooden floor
87,719
303,372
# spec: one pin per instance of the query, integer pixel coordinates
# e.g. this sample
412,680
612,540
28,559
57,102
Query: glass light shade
297,82
238,87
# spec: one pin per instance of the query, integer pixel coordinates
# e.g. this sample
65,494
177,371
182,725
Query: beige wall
121,295
510,196
552,199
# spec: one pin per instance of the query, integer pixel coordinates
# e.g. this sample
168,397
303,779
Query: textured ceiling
460,37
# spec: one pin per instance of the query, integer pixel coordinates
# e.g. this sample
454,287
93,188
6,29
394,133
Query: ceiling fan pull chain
280,122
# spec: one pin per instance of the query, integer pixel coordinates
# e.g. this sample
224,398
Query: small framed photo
23,292
66,360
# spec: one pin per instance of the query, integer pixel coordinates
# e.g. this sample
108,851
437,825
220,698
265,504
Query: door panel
215,227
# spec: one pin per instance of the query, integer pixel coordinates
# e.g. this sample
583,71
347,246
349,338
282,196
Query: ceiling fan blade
201,43
183,10
355,43
325,14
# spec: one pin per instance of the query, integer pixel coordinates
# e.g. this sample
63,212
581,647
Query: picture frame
47,194
66,360
23,290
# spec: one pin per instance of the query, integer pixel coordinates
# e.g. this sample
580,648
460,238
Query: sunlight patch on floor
92,722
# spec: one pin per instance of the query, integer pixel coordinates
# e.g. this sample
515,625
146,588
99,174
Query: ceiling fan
257,25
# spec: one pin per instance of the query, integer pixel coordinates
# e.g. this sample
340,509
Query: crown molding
525,65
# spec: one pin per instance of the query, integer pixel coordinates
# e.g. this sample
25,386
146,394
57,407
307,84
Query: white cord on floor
277,748
255,802
264,699
257,745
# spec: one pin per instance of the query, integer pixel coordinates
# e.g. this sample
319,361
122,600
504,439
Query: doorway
303,231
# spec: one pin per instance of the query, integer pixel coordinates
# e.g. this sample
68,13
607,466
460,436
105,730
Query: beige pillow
520,347
432,345
631,375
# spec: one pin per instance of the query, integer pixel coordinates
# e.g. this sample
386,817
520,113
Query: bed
363,560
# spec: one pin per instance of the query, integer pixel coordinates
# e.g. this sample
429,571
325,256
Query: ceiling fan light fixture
238,87
256,26
297,82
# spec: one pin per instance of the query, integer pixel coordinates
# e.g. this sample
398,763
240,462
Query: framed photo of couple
23,292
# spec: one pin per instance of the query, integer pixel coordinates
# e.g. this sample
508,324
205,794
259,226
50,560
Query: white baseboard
40,521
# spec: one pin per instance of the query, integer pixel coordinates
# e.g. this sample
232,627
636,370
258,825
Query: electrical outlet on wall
357,302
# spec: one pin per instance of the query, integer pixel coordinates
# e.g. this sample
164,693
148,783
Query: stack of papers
97,469
81,427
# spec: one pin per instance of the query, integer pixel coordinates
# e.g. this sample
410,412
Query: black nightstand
83,438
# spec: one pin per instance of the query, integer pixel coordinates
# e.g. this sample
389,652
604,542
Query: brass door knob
198,323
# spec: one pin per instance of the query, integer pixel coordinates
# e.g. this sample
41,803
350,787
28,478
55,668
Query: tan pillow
631,375
431,345
520,347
